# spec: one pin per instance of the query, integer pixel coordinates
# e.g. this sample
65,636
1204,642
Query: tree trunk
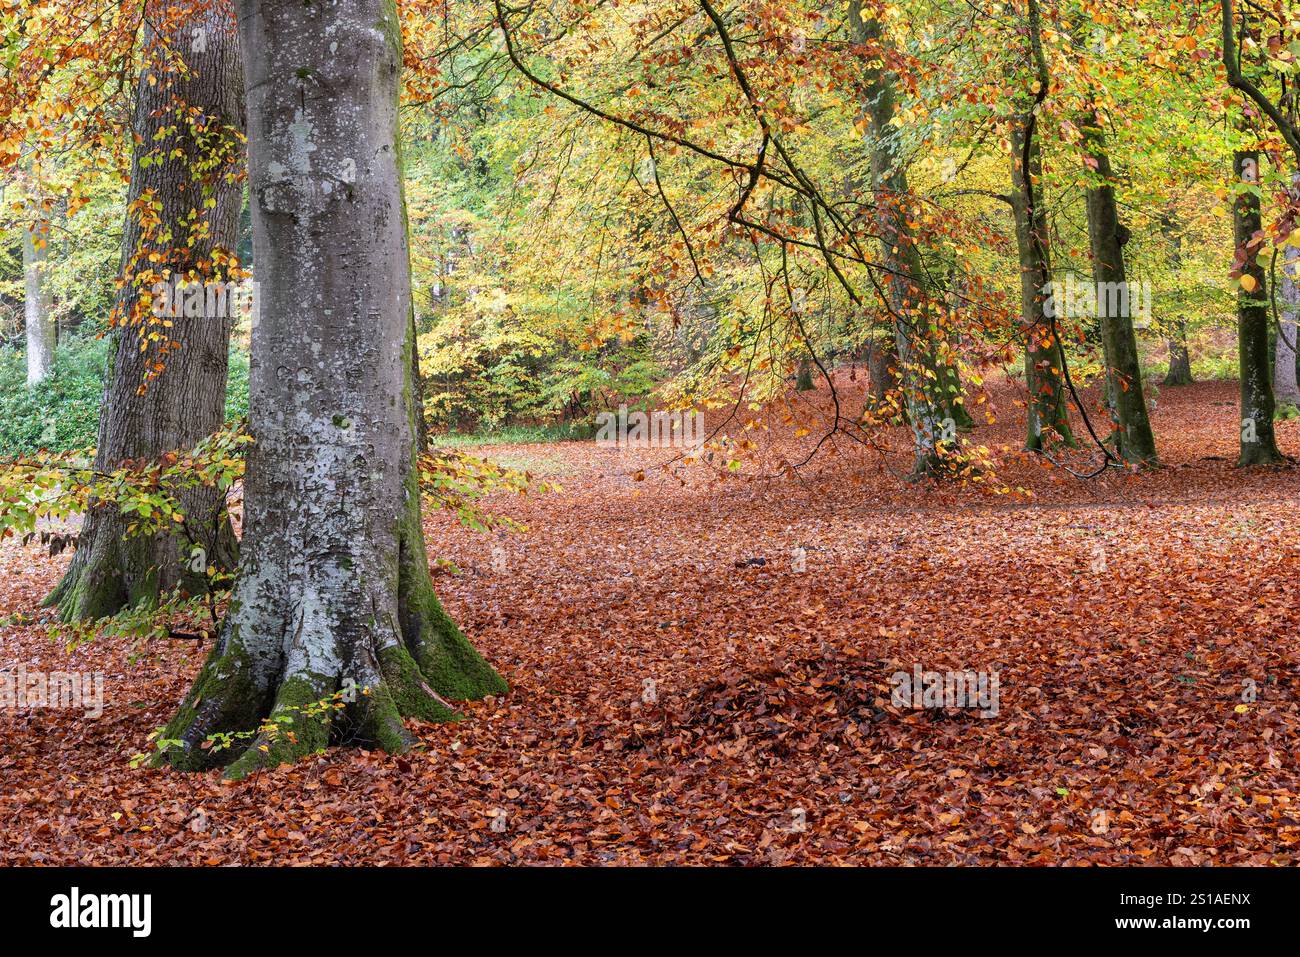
36,312
882,373
1285,389
1048,416
1180,360
803,380
929,412
165,386
417,391
949,375
1134,441
333,602
1258,446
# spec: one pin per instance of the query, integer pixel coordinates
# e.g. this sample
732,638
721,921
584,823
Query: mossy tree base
253,707
1059,436
100,582
339,653
1135,453
1259,453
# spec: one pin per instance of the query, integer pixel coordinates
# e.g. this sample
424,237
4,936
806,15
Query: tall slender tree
1180,360
1286,391
1048,417
333,600
1258,445
931,390
1133,439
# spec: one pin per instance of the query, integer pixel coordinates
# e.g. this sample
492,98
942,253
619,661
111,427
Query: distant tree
38,315
1258,445
1180,361
1132,436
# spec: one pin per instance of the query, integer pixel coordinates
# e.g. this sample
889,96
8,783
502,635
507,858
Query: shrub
62,413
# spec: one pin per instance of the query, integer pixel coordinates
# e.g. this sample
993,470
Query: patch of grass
536,464
518,435
237,385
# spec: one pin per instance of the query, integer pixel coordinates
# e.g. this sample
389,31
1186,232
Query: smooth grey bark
1285,389
1258,445
333,601
37,314
1131,426
171,394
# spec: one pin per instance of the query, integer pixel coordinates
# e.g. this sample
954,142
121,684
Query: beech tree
1133,440
1180,360
1258,445
166,384
1286,390
333,630
1048,416
929,387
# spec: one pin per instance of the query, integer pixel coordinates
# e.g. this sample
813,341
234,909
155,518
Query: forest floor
674,700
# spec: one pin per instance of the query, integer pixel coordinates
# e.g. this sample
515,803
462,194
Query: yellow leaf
1248,283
